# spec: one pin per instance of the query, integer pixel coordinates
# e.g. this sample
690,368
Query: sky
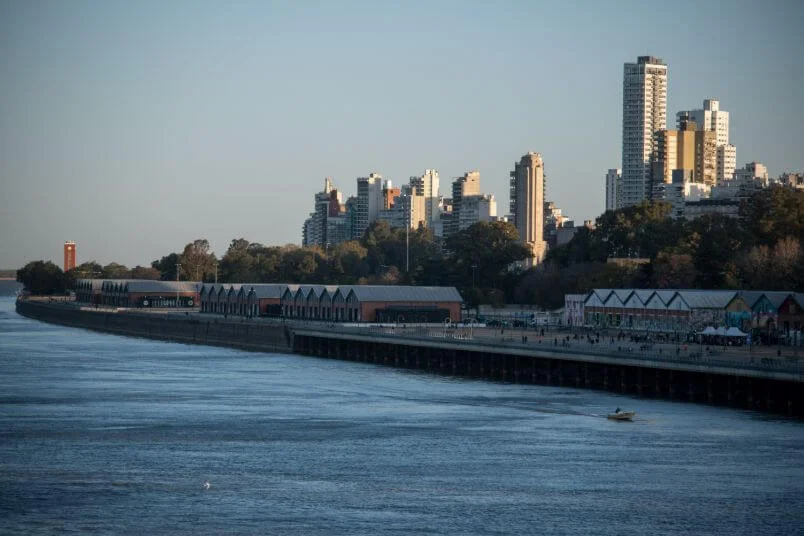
135,128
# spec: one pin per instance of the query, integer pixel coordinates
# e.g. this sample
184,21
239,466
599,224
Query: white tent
720,331
708,331
735,332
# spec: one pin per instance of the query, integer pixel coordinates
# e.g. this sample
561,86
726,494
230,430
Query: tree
301,265
41,278
347,262
481,255
773,214
145,272
197,261
167,267
114,270
673,270
715,240
785,261
237,265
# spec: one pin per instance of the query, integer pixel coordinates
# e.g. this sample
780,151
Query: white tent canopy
735,332
708,331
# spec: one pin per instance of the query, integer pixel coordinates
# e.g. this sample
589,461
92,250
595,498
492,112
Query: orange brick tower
69,255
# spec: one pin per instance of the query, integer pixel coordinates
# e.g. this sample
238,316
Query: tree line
759,250
476,260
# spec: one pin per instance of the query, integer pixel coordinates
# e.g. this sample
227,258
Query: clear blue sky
135,127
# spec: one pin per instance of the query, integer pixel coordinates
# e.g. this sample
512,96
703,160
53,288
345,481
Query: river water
102,434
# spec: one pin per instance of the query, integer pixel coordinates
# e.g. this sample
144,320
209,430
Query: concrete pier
773,391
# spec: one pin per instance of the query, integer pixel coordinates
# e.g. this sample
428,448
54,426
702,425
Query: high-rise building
705,157
674,149
407,209
465,186
712,118
612,185
316,230
527,204
69,255
369,202
427,186
389,193
726,162
644,113
665,156
476,208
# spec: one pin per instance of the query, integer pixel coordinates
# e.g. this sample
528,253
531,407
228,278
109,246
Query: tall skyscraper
69,255
612,185
369,202
644,113
527,204
427,186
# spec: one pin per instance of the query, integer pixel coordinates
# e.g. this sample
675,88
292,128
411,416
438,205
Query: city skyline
135,129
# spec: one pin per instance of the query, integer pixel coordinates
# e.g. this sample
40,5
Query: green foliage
42,278
774,214
114,270
197,262
166,266
759,250
145,272
482,255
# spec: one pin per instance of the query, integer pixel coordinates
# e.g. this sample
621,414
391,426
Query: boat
621,415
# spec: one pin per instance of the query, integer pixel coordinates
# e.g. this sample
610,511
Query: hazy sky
135,127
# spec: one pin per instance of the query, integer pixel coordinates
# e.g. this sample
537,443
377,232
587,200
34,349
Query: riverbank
774,386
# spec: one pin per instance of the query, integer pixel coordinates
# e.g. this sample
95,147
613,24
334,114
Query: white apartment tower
527,204
711,117
612,185
369,202
466,186
427,186
644,113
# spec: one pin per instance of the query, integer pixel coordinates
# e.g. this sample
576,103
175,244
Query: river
102,434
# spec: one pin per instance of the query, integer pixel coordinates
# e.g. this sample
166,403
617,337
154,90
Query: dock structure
773,385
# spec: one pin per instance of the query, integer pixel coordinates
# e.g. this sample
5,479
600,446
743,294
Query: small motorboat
620,415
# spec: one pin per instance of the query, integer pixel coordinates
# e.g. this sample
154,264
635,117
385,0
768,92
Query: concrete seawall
259,337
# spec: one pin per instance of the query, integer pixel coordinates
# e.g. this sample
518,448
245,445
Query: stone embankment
176,327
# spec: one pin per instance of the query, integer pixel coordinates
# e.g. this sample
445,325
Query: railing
741,358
